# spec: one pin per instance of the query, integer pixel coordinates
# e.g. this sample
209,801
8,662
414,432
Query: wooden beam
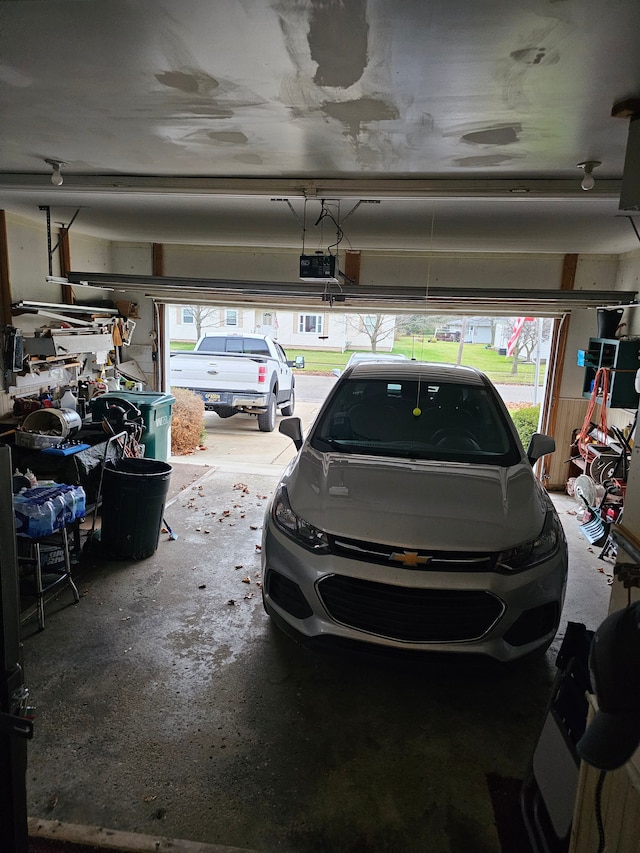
159,341
6,318
549,419
157,260
68,295
352,265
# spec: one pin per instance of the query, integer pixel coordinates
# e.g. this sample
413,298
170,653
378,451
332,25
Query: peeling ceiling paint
229,136
363,111
535,56
501,135
185,82
487,161
338,34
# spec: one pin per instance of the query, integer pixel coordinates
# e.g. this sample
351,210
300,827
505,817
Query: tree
463,332
416,324
422,324
532,331
378,327
202,316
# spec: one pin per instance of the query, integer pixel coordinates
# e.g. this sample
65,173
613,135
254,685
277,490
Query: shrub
526,421
187,422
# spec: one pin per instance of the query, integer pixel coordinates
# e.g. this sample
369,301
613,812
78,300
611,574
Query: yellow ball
417,411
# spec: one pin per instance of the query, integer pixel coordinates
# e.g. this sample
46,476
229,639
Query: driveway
237,443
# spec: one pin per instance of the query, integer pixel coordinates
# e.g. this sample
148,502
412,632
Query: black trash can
134,492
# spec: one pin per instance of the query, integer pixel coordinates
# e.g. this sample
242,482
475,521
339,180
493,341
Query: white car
411,518
356,357
374,356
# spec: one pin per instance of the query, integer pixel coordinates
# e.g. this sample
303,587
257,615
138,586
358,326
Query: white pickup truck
238,373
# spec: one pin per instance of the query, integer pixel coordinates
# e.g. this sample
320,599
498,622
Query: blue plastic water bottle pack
42,510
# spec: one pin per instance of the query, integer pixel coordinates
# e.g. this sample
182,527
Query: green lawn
497,367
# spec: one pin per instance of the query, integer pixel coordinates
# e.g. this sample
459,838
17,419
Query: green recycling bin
155,409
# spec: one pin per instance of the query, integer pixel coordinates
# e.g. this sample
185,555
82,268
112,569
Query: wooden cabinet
621,359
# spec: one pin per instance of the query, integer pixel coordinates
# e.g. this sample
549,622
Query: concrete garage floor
169,706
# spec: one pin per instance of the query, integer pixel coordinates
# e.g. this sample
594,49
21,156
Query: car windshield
230,343
417,420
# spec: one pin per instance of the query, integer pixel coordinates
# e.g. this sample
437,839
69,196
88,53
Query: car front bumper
503,616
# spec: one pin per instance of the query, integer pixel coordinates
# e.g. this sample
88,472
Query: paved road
313,389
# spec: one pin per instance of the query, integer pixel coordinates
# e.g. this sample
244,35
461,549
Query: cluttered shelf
72,470
598,469
49,508
600,461
44,517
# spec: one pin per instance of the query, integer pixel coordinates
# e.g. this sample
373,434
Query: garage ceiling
181,122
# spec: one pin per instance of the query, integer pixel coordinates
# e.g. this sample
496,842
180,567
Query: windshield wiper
337,444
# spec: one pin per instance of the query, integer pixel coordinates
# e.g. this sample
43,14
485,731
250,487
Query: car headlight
294,526
537,550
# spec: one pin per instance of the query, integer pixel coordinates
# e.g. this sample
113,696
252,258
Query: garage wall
28,261
582,325
628,278
234,263
29,266
136,259
381,267
472,270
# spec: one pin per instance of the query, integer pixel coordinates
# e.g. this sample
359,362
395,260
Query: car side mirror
539,446
298,361
292,427
337,372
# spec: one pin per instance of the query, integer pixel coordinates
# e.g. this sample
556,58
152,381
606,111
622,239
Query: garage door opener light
56,177
588,181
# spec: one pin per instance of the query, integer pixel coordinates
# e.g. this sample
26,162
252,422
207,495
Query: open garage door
390,298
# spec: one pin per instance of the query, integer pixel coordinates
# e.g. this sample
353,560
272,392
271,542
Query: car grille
422,560
409,614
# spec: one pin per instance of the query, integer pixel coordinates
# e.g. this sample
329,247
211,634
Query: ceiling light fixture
588,181
56,177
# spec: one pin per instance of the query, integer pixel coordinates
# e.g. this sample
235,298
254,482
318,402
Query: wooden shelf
620,357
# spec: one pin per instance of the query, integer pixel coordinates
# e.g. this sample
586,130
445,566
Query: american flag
517,328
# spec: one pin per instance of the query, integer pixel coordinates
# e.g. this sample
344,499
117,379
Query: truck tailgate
219,372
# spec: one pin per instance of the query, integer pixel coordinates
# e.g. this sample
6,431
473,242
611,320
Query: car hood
417,504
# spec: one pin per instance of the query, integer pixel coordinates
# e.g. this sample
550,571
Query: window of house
369,323
310,323
186,316
231,317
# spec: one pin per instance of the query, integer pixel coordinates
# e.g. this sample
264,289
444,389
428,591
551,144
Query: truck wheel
267,420
287,410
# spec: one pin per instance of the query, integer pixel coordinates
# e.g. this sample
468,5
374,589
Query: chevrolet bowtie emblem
409,558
